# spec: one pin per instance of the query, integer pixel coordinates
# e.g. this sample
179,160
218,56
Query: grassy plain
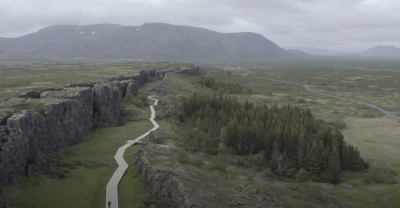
17,77
376,136
395,200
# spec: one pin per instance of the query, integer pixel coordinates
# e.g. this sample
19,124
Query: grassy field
85,186
377,137
395,200
24,76
284,85
88,166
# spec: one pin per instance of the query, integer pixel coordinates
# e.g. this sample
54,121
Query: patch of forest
223,87
288,138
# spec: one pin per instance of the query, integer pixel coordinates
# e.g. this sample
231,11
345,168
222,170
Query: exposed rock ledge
184,186
188,187
29,139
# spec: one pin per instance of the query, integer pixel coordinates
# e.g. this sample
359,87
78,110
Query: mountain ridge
150,41
389,51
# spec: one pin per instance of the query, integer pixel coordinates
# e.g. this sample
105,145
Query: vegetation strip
388,113
112,186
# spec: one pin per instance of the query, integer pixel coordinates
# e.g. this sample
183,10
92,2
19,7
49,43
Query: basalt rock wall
29,140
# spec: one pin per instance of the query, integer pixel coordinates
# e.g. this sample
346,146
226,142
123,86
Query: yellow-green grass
378,142
395,200
85,186
149,86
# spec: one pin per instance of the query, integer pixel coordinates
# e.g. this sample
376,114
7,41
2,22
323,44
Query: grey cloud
346,25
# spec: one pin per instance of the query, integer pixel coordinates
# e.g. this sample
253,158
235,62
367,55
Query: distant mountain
382,51
299,53
321,52
151,41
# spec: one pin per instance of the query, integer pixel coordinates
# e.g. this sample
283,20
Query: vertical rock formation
30,139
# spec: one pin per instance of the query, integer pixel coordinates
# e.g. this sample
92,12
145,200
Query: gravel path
112,186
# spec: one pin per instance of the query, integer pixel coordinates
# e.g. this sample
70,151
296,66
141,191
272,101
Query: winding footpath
112,186
386,198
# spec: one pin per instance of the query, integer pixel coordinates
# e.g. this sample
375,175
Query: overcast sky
342,25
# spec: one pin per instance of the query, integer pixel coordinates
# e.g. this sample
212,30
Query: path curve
308,87
112,186
388,113
386,198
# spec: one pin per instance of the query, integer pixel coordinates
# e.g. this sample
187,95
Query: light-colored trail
112,186
386,198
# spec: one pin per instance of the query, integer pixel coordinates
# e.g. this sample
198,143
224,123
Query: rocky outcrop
4,205
160,182
157,137
191,71
30,94
53,119
173,184
187,187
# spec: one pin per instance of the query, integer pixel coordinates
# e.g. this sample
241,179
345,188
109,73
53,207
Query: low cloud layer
342,25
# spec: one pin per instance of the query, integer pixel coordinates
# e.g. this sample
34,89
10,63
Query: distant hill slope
382,51
321,52
299,53
151,41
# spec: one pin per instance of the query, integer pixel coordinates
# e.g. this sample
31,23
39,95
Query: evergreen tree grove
288,136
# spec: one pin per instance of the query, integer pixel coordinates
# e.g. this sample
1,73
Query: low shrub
368,178
257,159
217,164
302,100
198,160
138,103
383,176
293,186
302,176
338,124
181,155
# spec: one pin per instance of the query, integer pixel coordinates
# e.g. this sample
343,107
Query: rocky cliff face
187,187
29,139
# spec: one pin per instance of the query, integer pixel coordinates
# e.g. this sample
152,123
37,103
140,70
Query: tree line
223,87
288,137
